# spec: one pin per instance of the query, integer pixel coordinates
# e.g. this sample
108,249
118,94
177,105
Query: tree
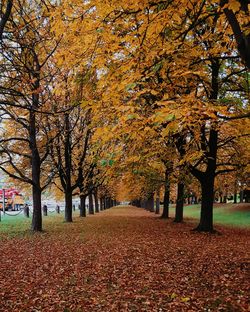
24,91
69,151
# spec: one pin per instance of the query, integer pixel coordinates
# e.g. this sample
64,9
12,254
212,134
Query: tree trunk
36,170
68,170
235,198
143,203
83,206
241,196
247,197
91,204
207,185
165,213
26,211
179,203
101,203
107,201
37,210
68,206
104,203
45,210
138,203
206,216
157,204
195,200
235,192
151,203
96,202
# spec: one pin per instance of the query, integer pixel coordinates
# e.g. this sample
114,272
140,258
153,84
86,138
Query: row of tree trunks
94,205
92,209
152,206
107,202
136,203
192,200
148,203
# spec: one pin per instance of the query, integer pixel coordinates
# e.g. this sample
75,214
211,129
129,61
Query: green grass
20,225
14,224
223,214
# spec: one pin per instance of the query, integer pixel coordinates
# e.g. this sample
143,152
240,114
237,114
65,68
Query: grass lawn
237,215
13,225
19,225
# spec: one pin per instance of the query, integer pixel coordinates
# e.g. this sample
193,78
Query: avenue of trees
140,100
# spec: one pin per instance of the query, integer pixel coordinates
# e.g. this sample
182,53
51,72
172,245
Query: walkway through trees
124,259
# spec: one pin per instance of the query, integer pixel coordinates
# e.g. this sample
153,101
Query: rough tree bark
83,206
180,145
36,224
91,204
96,201
165,213
151,202
101,203
207,185
68,205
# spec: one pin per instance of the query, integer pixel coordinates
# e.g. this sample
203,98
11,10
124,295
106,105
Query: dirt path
125,259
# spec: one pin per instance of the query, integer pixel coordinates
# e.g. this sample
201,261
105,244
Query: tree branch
5,17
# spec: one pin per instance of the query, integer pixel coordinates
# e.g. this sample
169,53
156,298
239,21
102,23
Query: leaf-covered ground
125,259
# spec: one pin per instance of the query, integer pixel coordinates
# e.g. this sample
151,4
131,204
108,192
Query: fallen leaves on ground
125,259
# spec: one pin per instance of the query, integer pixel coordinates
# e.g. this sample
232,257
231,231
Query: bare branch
5,17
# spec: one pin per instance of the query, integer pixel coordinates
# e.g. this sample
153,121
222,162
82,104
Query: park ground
125,259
